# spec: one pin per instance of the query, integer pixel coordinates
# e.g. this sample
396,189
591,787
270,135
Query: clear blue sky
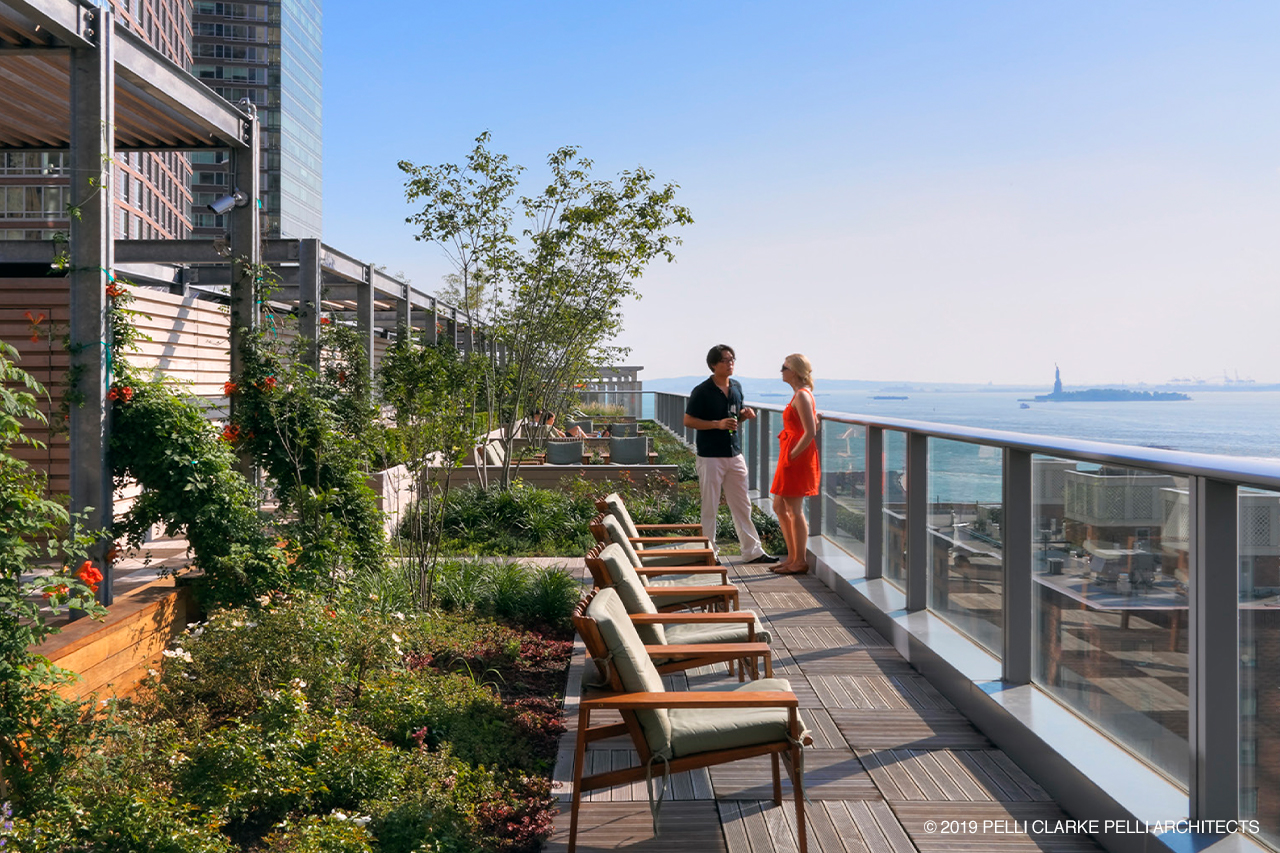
930,191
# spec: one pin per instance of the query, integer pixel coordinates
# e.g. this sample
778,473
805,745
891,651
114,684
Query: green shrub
334,833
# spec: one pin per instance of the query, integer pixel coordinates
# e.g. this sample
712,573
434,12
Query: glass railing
1150,579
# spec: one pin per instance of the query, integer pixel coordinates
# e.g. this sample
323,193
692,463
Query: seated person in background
553,431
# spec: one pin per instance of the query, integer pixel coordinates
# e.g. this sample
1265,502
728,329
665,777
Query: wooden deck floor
892,764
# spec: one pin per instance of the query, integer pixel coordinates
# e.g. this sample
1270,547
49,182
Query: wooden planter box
112,656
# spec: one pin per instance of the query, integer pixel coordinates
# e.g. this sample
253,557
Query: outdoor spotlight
224,204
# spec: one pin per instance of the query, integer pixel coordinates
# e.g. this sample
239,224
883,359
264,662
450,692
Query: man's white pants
727,474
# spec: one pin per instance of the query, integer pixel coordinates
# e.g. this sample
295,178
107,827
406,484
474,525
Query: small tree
557,295
432,391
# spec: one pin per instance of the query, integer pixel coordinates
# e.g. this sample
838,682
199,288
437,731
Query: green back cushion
493,455
619,511
564,452
635,598
618,536
632,663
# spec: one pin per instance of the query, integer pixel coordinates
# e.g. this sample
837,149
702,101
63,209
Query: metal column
873,523
364,317
1214,596
917,521
1018,586
246,240
92,73
309,274
404,314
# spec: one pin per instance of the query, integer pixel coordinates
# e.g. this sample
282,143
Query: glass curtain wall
1259,544
844,486
894,508
1110,565
965,555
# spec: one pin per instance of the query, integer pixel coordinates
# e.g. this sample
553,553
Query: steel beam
92,72
246,253
64,20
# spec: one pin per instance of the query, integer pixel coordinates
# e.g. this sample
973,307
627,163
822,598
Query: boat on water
1024,406
889,397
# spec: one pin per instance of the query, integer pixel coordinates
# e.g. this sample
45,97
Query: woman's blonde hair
801,367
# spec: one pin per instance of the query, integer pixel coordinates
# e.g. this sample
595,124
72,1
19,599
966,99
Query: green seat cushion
675,559
695,730
725,632
631,592
635,670
614,530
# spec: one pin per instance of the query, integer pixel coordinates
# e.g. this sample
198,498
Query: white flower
179,653
395,638
398,615
339,815
361,821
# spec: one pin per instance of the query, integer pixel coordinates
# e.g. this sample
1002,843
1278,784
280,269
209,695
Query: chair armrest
669,527
650,539
700,553
695,649
682,570
684,591
695,699
745,617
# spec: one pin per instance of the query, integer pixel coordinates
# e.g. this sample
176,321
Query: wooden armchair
686,629
613,503
677,588
653,550
683,731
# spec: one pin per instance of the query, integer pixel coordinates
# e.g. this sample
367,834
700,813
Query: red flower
114,290
231,432
89,574
113,394
60,589
342,376
120,392
324,321
229,388
269,382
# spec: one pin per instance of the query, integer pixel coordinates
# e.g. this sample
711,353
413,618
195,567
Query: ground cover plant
308,725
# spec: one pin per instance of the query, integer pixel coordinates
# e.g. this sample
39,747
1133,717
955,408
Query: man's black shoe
763,558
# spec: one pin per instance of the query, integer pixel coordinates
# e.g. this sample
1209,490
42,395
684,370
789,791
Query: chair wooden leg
579,764
777,779
797,785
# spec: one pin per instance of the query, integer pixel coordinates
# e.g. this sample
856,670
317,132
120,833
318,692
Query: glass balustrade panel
770,426
844,486
1259,544
965,555
893,488
1109,569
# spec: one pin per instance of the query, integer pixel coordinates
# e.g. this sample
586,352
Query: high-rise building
269,53
151,189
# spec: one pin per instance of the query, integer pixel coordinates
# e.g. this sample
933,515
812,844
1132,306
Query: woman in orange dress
798,472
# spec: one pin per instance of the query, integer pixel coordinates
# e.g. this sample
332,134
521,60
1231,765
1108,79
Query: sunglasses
785,367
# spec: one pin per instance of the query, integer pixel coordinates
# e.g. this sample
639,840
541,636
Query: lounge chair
653,550
685,629
682,731
676,588
629,451
564,452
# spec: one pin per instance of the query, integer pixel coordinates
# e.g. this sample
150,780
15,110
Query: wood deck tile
988,828
823,730
862,661
907,729
829,774
691,826
941,775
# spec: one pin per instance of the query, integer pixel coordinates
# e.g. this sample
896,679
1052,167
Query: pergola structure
67,72
72,78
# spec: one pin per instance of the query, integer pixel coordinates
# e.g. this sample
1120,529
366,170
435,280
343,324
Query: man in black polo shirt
711,411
